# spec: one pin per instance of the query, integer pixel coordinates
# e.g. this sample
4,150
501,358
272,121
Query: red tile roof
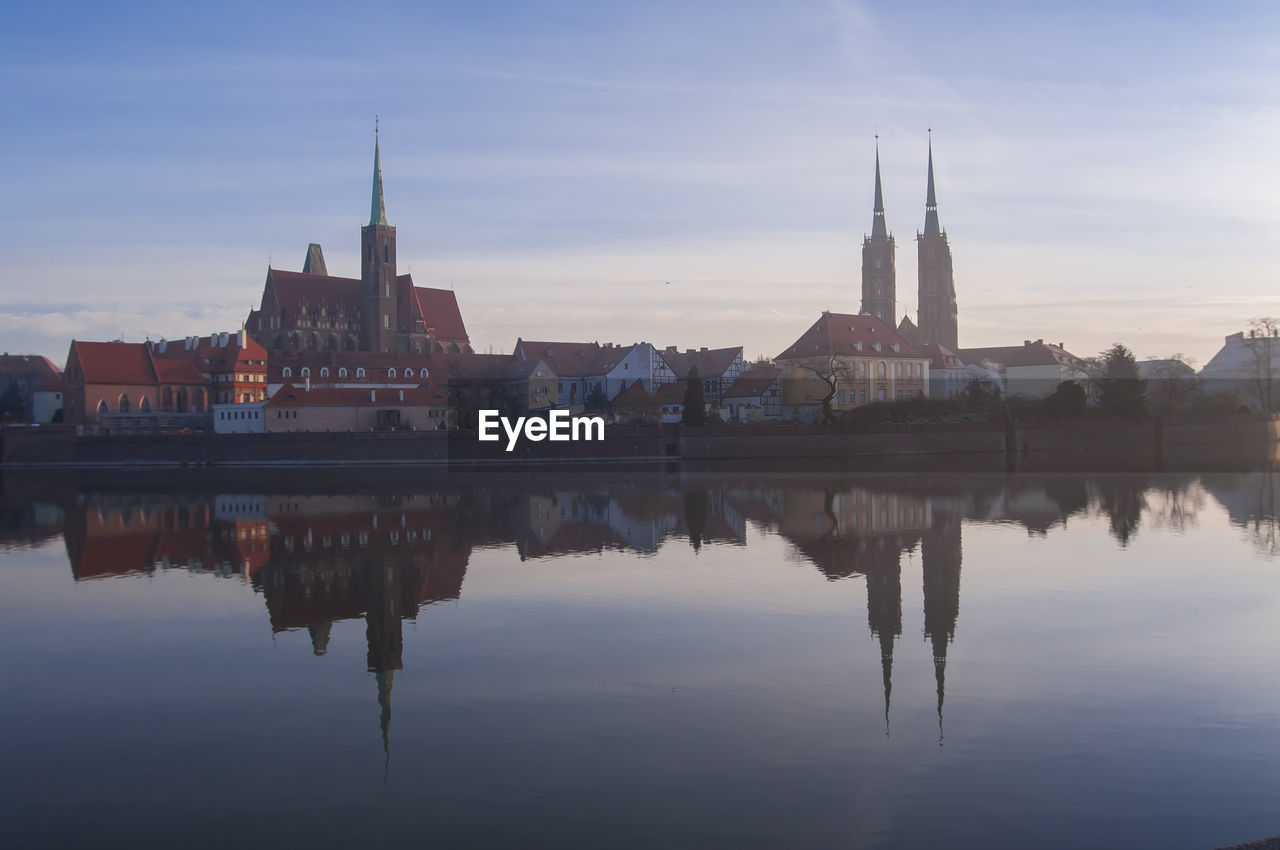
51,384
210,358
115,363
439,310
13,366
849,335
575,359
941,357
1037,353
754,382
294,287
709,362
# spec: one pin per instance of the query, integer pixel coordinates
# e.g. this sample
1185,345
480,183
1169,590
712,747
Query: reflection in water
320,559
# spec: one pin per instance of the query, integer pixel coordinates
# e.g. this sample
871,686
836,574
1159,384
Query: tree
1065,402
695,399
597,401
831,370
12,407
1264,345
1120,391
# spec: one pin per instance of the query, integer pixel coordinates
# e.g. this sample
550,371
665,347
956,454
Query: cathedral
936,297
381,311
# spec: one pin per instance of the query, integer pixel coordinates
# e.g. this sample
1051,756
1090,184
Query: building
46,400
718,368
948,375
1033,369
348,370
862,357
756,395
879,275
20,374
296,408
239,418
234,365
500,382
1249,366
936,314
584,368
124,386
382,311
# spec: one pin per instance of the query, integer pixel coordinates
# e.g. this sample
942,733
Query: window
342,373
124,403
286,372
360,372
145,406
863,395
882,394
408,373
387,290
880,372
842,396
324,371
306,371
391,373
386,321
897,371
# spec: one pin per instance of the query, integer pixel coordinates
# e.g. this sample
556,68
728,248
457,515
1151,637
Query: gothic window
103,407
387,289
124,403
145,406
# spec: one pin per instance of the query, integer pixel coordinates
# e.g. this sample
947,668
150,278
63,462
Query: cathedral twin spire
931,226
378,207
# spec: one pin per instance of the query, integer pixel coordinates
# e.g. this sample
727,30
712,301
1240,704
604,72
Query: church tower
936,302
378,308
879,279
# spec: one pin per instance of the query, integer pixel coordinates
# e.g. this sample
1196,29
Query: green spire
378,208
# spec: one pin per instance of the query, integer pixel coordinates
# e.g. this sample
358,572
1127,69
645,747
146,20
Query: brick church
381,311
936,315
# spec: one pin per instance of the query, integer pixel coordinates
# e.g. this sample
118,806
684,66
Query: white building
1249,366
238,418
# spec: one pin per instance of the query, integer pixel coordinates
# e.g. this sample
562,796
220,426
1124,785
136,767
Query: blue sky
1105,174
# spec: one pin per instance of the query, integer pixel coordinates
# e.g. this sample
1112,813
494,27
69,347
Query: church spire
378,207
878,230
931,227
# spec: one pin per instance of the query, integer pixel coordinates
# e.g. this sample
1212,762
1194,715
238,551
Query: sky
682,173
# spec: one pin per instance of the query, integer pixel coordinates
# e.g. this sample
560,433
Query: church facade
382,311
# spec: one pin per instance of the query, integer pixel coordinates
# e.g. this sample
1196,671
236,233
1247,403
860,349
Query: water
640,660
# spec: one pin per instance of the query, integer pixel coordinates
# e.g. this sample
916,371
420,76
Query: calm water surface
645,660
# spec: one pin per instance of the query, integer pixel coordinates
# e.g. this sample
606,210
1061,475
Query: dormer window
306,371
894,346
286,372
408,373
324,371
876,345
391,373
857,344
360,372
342,372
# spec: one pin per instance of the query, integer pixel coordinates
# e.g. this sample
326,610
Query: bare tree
1171,385
1263,345
830,370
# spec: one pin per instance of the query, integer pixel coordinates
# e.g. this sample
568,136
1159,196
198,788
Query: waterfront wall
1125,444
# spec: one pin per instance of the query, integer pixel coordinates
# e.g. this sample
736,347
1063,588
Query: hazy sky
1104,174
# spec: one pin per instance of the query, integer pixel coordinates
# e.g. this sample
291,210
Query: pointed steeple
878,229
378,208
931,227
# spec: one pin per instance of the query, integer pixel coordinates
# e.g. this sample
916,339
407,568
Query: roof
844,334
439,309
941,357
13,365
1030,353
206,356
709,362
754,383
672,393
290,395
633,396
51,384
572,359
504,366
130,363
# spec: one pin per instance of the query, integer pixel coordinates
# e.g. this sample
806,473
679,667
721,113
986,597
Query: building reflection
318,559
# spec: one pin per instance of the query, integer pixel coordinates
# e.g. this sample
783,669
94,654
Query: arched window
408,373
342,373
103,407
360,372
391,373
324,371
124,403
306,371
145,405
880,370
897,371
286,372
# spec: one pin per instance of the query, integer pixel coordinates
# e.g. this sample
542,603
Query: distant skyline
689,174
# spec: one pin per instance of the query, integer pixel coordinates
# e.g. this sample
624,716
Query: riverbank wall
1100,444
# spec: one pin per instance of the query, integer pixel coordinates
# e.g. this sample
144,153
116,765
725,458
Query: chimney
240,338
1026,342
161,345
704,348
